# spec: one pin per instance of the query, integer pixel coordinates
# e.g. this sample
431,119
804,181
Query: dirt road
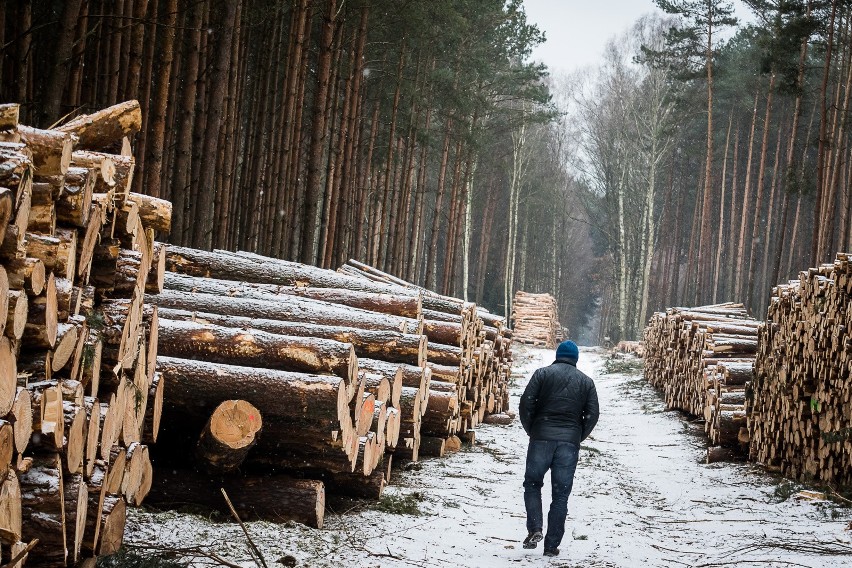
642,498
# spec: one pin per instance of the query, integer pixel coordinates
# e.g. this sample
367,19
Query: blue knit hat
568,350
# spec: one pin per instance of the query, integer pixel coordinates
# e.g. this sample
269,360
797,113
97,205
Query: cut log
251,348
433,447
93,434
7,447
75,202
262,270
43,510
402,306
10,509
154,213
229,435
76,505
102,164
9,115
106,127
154,409
16,320
273,498
7,208
196,388
375,344
51,150
42,319
21,417
26,274
286,308
8,376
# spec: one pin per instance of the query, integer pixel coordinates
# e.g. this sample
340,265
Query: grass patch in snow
125,558
408,504
618,364
784,491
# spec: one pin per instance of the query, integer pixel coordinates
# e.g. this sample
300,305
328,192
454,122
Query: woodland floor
642,497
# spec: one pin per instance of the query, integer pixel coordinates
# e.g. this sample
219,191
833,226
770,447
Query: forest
417,137
716,153
704,160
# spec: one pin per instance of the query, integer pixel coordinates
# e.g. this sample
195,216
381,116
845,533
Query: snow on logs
78,391
702,360
468,356
535,320
347,371
800,409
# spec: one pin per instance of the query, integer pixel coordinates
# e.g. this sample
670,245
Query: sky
577,30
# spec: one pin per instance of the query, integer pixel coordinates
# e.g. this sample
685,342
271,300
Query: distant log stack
78,391
535,320
702,360
801,397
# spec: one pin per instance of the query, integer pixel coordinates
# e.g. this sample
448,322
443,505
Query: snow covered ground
642,497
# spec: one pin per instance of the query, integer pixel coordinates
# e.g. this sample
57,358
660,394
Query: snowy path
642,497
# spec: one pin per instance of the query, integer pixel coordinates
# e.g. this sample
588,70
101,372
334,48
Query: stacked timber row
469,355
334,369
78,389
535,320
702,359
801,414
345,374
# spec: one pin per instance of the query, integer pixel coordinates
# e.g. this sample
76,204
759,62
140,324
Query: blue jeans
561,459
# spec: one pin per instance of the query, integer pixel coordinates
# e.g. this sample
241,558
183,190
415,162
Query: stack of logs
535,320
702,359
78,389
345,374
477,373
801,403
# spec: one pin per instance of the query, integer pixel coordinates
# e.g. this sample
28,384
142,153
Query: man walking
558,410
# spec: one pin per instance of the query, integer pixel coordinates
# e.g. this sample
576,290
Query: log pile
469,354
702,360
78,389
535,320
345,373
801,409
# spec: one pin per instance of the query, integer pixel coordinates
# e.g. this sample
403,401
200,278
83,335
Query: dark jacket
560,403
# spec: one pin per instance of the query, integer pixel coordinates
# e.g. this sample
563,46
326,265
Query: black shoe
533,539
551,552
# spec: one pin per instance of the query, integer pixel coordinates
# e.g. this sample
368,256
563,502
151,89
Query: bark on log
105,127
43,510
401,306
251,348
21,417
27,274
282,307
262,270
154,212
75,202
283,398
51,149
9,113
385,345
76,505
8,376
10,509
272,498
104,167
42,319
